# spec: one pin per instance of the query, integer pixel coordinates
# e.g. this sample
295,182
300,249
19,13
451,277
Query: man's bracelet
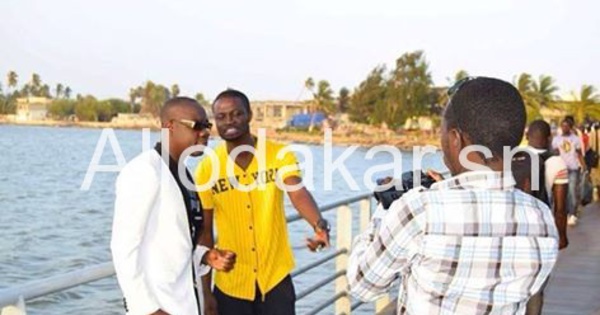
322,225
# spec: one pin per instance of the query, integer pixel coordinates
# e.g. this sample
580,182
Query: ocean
50,226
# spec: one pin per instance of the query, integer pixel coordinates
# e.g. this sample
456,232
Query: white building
32,108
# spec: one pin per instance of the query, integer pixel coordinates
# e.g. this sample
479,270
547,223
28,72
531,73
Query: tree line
34,87
144,99
384,96
407,90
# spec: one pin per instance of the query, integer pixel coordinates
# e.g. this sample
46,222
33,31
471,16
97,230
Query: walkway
574,286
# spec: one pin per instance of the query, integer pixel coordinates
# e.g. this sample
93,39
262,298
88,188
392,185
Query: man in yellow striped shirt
245,198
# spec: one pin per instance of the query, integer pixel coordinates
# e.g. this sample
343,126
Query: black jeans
280,300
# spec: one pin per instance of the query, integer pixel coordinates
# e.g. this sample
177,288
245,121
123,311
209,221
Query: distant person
252,222
553,184
554,173
158,221
569,146
470,244
590,158
595,169
580,132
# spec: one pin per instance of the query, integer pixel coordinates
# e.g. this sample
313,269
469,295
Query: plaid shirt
471,244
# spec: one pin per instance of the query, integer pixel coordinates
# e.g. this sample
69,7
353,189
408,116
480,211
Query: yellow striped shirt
250,223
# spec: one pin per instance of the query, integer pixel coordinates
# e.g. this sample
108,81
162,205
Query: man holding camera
470,244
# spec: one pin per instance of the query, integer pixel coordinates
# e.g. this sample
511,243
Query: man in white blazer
157,221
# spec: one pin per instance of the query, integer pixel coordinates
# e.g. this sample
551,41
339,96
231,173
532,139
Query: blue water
50,226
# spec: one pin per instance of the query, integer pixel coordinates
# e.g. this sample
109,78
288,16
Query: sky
267,48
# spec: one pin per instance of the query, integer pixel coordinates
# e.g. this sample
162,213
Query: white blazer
151,245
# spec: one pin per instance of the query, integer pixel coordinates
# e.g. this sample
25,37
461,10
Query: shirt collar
535,150
490,180
172,163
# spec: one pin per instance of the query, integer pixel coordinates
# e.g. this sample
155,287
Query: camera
399,187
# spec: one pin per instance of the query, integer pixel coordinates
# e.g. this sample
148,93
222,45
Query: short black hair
521,170
539,128
569,120
174,102
234,94
489,111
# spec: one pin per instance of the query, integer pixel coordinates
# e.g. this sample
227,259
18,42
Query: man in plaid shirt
471,244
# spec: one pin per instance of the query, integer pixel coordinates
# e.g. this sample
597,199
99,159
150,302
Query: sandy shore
403,141
366,136
80,124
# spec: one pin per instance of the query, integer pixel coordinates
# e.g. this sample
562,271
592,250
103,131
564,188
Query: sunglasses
195,124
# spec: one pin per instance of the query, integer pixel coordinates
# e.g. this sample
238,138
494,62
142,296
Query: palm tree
525,85
68,92
324,97
12,79
132,97
58,90
202,100
8,101
309,84
36,84
587,103
2,100
343,100
153,96
146,90
26,90
45,91
175,90
441,95
545,90
460,75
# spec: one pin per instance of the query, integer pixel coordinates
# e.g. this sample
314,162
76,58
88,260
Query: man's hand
435,175
210,304
160,312
319,241
386,180
221,260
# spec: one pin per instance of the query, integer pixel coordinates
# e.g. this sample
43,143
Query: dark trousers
279,301
536,302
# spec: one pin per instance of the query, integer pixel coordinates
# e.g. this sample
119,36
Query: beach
344,135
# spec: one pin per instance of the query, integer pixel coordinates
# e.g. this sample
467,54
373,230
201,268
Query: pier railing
13,300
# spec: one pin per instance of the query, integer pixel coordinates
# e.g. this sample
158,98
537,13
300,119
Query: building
278,112
129,120
32,108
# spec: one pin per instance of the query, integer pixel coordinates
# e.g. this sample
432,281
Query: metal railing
12,300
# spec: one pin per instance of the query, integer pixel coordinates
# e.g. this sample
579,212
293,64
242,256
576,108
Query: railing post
343,240
382,303
365,213
17,309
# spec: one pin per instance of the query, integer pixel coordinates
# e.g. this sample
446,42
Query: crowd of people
481,241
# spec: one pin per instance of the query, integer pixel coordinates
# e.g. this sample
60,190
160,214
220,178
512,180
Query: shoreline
368,137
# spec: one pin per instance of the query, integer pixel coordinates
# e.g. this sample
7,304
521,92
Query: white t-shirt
568,147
